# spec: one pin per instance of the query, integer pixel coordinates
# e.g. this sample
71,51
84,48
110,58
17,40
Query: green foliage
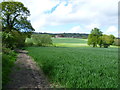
107,40
96,32
100,41
117,42
13,39
78,67
19,39
29,42
93,38
8,59
14,17
15,25
6,50
96,38
39,40
111,37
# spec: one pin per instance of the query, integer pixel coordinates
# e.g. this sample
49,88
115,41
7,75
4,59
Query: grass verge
8,59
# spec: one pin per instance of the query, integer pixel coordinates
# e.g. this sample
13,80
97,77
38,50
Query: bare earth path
26,74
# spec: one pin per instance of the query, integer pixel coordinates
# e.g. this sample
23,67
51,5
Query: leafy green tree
39,40
107,40
45,39
92,40
14,19
36,40
112,38
13,39
94,37
28,42
100,41
117,42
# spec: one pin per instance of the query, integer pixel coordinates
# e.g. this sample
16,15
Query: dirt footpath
26,74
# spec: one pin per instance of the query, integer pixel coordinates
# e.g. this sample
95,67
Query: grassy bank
8,59
74,67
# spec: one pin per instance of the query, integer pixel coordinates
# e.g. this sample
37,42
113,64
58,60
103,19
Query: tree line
66,35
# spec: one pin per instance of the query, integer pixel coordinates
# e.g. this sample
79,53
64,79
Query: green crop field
69,42
78,67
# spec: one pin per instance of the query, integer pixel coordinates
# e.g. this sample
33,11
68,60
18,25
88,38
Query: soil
26,74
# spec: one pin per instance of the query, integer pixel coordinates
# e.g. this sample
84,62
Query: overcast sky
73,16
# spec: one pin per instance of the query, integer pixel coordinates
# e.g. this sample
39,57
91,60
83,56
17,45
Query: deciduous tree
107,40
14,17
94,37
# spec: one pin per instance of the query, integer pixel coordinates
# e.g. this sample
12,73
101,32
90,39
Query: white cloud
37,9
88,13
112,30
77,29
92,25
48,31
102,12
62,10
